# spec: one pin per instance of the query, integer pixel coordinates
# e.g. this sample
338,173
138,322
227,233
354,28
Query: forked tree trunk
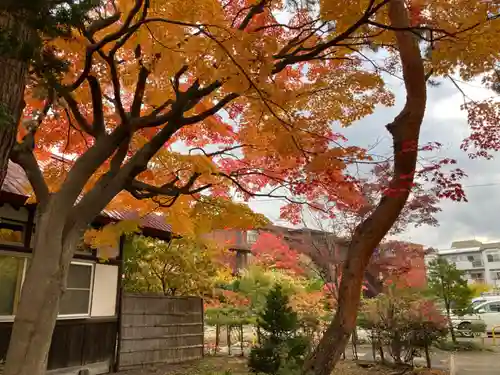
405,130
39,305
13,74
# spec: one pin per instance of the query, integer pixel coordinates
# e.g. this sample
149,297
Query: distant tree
271,251
181,266
450,285
478,288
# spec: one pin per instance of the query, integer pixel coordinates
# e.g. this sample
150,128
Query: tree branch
73,107
135,109
254,10
96,93
23,156
142,190
212,111
292,58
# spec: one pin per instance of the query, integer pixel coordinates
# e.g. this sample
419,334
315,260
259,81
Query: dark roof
17,183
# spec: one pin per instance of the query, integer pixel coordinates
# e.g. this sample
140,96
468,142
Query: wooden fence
158,330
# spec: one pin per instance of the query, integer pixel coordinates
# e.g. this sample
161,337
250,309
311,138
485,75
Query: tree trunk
355,344
427,355
39,305
452,329
13,75
396,348
217,338
405,130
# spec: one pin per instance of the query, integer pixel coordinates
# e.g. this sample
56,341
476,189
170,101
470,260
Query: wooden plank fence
159,330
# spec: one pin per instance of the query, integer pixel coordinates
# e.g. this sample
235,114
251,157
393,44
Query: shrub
281,345
403,322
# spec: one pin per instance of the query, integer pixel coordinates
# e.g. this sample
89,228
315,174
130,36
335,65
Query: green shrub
281,345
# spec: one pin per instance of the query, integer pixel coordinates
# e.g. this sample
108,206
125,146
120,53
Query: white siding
105,290
9,212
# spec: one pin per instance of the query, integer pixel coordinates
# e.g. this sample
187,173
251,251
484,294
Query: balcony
477,264
467,264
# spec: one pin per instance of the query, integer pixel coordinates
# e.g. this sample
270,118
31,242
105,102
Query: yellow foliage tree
182,266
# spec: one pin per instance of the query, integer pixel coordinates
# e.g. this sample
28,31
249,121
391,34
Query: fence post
494,335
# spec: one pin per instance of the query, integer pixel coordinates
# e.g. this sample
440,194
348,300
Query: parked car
487,312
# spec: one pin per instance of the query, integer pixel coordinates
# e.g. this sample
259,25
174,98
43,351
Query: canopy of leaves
180,267
449,284
152,84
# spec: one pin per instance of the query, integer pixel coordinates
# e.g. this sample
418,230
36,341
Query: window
252,236
495,274
11,231
75,301
493,307
493,257
477,276
11,275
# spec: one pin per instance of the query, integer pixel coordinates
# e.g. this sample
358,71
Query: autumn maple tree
181,106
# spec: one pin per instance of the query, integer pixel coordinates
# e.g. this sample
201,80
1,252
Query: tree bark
13,75
41,292
405,130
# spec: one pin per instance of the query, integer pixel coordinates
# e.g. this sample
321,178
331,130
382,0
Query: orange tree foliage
164,70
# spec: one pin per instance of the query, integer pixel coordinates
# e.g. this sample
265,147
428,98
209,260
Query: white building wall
105,290
491,266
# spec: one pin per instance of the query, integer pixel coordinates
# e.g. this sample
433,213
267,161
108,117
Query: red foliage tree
272,251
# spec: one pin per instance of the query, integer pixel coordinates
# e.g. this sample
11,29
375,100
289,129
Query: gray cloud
445,123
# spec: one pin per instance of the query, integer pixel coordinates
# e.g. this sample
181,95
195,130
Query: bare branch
212,111
177,78
102,23
135,109
142,190
97,46
73,107
294,57
96,93
254,10
23,155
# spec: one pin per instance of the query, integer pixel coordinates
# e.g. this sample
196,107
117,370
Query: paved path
439,360
484,363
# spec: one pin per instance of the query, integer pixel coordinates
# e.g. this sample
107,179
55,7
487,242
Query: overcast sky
445,123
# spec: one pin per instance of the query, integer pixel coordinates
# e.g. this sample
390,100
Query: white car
487,312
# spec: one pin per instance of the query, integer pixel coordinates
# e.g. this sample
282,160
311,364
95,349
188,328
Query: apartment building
480,261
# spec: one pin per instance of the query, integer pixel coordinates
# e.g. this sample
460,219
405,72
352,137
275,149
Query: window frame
488,308
249,234
493,254
91,292
26,258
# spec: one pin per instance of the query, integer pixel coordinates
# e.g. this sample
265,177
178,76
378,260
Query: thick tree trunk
405,130
39,305
13,74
